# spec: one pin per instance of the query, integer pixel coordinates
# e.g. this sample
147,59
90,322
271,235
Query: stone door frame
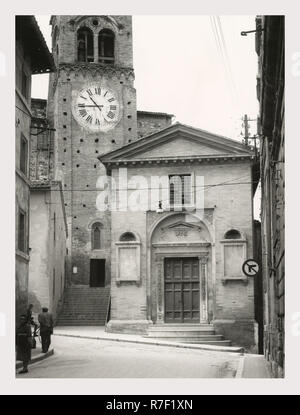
203,282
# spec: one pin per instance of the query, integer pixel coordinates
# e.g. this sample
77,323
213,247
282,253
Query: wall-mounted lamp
245,33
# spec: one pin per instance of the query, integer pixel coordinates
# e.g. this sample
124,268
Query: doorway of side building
97,273
182,295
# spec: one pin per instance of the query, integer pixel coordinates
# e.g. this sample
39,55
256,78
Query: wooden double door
182,290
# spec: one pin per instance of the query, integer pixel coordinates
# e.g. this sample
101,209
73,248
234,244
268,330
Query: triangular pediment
176,141
180,147
181,225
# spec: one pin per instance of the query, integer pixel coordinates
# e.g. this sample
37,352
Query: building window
23,154
85,45
232,234
180,189
106,46
22,232
53,285
24,84
96,236
54,228
127,237
42,139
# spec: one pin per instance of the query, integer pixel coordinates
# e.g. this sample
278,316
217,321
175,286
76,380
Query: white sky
179,70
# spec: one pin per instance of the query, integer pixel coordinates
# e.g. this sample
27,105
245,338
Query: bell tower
92,106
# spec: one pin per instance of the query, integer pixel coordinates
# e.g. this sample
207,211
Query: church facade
177,252
174,257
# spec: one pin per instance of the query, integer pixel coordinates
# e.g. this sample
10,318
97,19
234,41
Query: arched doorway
180,270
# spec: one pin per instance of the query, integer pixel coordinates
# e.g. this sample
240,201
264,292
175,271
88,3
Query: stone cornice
173,244
178,160
96,69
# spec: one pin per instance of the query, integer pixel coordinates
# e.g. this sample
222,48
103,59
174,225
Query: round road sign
250,267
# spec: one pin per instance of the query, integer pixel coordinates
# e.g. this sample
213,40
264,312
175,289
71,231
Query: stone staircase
84,306
187,333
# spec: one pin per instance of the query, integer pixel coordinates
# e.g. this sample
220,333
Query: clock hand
96,104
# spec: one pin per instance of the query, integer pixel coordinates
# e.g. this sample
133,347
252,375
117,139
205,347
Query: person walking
23,340
46,328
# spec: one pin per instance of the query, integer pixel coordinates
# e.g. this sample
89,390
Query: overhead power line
218,33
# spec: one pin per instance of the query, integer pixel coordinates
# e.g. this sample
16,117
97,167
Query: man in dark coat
30,318
46,328
23,340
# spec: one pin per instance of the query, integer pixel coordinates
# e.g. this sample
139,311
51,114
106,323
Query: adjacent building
32,57
270,88
48,226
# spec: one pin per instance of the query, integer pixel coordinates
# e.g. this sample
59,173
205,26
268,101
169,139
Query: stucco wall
47,256
228,195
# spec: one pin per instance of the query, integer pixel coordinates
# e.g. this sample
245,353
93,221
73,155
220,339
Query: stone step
91,291
84,306
83,300
82,311
182,334
85,312
81,319
208,342
87,306
187,333
171,325
83,315
154,329
81,323
197,337
87,303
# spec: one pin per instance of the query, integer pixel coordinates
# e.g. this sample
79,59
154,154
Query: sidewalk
254,366
36,356
98,332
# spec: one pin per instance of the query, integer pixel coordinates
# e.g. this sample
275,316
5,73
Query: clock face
96,108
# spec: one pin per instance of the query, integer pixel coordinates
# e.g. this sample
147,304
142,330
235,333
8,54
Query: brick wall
151,122
76,149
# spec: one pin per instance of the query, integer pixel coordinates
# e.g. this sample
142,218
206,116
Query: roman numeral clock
96,107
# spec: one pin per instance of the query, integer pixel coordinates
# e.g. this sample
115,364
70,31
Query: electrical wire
218,33
229,182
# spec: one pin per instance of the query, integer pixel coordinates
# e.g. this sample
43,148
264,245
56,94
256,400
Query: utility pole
246,129
247,137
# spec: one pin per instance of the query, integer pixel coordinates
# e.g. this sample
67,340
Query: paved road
87,358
